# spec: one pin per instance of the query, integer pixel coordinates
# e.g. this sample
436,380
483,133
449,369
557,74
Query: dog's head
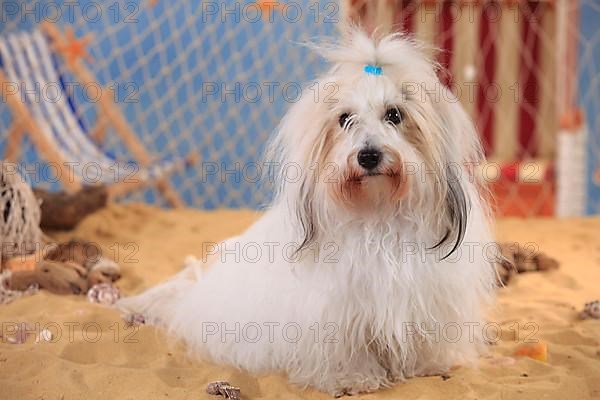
375,137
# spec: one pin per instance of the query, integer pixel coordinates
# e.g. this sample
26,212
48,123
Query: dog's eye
393,115
344,120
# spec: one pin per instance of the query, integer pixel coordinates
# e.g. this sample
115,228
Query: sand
97,357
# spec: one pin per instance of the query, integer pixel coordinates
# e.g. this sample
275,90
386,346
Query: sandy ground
96,357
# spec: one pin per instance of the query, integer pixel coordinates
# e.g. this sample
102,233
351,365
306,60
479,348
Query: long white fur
368,307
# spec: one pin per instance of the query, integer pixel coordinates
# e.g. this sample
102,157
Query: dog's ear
305,215
456,212
296,149
461,150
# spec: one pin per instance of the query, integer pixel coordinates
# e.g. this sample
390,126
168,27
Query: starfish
73,48
267,7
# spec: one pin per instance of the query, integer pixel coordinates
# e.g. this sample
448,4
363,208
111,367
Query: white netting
211,77
187,76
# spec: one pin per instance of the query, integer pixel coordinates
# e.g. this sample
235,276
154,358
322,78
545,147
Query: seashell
134,319
7,295
45,335
536,351
104,293
591,310
223,388
20,334
213,388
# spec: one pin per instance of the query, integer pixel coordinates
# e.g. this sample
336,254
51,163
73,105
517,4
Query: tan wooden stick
99,131
47,149
113,115
170,194
122,188
106,101
14,139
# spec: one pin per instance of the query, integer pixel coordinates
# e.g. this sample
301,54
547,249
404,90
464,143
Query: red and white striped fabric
531,171
500,61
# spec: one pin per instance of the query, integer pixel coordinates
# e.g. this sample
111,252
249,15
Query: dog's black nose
369,158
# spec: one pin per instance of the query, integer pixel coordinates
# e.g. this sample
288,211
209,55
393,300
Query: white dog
369,266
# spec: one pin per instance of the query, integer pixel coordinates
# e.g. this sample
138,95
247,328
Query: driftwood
517,259
56,277
71,267
63,211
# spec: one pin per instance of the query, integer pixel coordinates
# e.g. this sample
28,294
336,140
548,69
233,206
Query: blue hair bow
372,69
